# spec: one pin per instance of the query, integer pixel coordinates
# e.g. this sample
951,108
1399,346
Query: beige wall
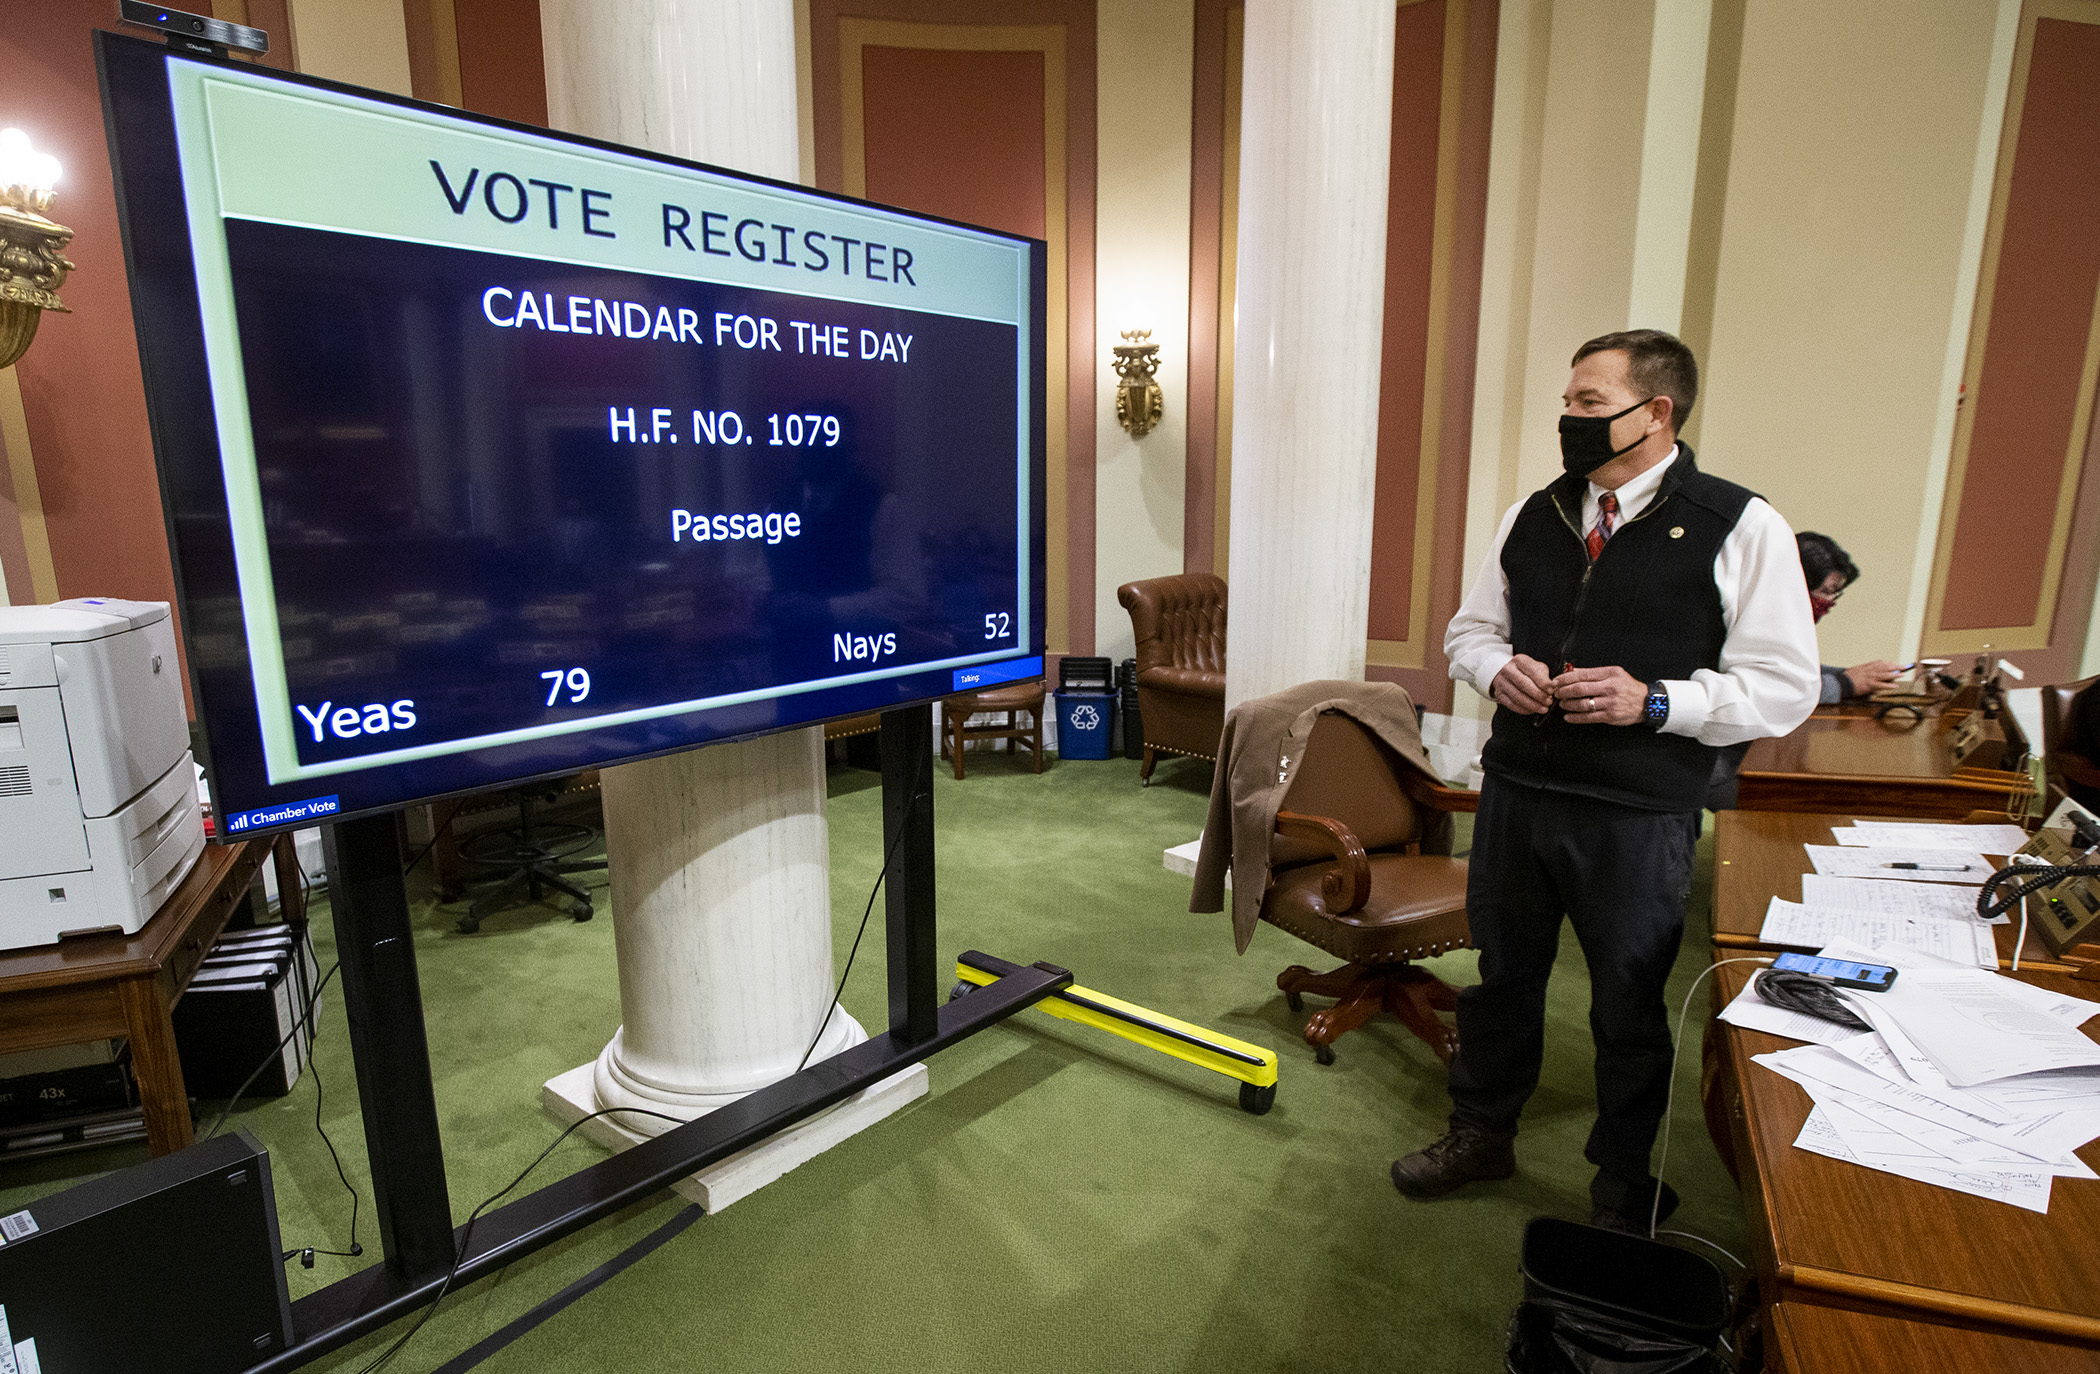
364,42
1841,286
1852,185
1570,171
1146,57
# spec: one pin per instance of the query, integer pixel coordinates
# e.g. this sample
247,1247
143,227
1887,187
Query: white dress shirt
1770,674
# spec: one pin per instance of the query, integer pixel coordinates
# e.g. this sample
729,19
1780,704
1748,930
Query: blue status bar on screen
991,674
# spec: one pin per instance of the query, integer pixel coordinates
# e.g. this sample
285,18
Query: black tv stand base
398,1101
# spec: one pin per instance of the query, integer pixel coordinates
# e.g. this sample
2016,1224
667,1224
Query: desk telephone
1980,731
2068,911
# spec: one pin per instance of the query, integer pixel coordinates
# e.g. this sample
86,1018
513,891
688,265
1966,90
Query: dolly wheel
962,986
1257,1101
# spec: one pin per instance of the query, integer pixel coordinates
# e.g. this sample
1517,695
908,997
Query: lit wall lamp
1139,399
32,265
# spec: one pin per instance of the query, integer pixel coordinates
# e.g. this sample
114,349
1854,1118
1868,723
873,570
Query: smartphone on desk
1843,972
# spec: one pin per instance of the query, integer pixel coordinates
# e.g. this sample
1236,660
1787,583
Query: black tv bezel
184,429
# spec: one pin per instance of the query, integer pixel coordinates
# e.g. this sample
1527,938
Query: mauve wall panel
502,70
2041,315
958,134
82,392
1418,87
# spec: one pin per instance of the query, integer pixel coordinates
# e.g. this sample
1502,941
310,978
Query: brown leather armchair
2070,711
1361,867
1179,622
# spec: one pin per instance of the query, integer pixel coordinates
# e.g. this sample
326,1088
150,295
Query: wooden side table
93,987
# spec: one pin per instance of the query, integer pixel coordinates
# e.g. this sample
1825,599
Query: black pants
1621,875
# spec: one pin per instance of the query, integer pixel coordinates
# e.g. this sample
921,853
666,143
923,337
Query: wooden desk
1897,766
93,987
1826,1232
1757,856
1802,1338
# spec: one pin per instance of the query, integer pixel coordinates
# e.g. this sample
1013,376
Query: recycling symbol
1085,718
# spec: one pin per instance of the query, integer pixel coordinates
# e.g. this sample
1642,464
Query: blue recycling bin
1084,723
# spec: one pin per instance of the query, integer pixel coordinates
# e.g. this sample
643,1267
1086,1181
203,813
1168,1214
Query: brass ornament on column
32,265
1139,400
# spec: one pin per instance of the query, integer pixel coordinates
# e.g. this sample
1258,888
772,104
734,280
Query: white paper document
1989,839
1913,865
1817,1067
2029,1190
1896,958
1752,1012
1977,1030
1891,897
1807,927
1940,1146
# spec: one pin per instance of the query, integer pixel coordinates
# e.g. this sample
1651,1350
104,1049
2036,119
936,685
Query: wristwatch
1656,709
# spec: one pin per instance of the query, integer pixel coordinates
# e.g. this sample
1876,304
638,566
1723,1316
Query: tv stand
399,1104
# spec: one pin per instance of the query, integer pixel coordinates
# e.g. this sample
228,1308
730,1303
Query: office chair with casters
1179,625
527,861
1361,867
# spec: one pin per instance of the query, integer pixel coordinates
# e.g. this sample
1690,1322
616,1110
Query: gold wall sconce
1139,400
32,263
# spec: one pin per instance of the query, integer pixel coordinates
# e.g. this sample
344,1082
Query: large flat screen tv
491,454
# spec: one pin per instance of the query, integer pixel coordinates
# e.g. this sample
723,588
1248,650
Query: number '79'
575,681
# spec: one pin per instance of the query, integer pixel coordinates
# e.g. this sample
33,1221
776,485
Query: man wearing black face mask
1631,618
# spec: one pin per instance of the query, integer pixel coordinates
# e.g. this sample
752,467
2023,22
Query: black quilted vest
1648,604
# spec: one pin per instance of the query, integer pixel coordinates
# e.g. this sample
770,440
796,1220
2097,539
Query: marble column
1315,132
719,862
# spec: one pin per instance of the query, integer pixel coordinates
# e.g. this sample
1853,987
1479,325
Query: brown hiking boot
1460,1156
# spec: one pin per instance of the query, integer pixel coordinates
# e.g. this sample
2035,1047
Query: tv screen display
491,454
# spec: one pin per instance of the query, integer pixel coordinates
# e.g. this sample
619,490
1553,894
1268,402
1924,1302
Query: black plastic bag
1547,1337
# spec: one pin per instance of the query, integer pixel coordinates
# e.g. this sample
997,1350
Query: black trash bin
1603,1302
1128,720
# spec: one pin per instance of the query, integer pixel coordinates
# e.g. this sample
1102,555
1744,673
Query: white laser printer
98,792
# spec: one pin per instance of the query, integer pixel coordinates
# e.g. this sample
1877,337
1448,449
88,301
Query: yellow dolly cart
1254,1067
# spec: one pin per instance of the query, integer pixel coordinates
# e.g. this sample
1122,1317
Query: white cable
1670,1108
1708,1244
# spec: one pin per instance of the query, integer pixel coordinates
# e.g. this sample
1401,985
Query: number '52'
576,682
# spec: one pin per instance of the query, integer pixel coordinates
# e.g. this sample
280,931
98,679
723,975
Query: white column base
571,1096
1182,859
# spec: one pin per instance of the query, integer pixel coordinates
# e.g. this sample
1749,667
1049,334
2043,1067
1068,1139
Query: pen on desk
1932,868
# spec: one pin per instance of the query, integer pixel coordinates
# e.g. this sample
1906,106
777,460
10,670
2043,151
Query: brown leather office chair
1008,701
2071,727
1361,867
1179,622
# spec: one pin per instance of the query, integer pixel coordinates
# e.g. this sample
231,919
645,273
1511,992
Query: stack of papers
1910,864
1900,884
1969,1080
1960,938
1915,851
1990,839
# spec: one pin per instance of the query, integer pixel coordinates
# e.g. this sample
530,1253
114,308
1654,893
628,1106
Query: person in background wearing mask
1630,618
1829,571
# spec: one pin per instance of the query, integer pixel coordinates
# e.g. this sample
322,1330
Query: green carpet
1062,1200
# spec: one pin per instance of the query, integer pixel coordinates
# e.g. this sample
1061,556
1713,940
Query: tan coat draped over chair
1179,623
1336,828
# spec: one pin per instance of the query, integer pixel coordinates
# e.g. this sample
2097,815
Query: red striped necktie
1607,520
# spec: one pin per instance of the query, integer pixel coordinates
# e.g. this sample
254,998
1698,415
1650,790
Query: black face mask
1585,440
